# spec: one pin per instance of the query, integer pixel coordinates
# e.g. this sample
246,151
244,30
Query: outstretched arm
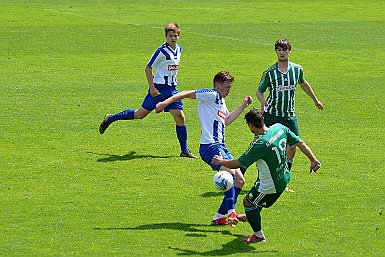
315,164
179,96
234,114
309,91
231,164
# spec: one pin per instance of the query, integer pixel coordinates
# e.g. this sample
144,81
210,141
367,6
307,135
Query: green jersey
268,151
282,87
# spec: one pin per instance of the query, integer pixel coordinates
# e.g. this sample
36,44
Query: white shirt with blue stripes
212,112
166,63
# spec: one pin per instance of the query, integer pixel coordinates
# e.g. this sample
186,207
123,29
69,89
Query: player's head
172,32
174,27
282,43
282,49
255,118
223,82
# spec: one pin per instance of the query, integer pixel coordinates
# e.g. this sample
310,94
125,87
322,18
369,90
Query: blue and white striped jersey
212,112
166,63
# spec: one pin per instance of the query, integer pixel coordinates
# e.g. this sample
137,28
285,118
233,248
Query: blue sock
181,133
123,115
237,192
227,202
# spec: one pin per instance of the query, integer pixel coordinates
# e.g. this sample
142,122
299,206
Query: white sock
230,211
259,234
217,216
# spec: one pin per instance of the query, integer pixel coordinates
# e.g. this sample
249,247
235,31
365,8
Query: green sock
253,214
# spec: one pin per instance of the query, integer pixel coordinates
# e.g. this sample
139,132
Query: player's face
282,54
224,88
172,38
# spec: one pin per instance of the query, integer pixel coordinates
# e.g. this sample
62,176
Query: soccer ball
223,180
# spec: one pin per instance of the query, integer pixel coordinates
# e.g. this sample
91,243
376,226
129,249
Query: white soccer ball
223,180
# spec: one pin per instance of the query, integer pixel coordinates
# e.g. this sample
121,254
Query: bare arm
179,96
315,164
262,100
231,164
234,114
153,90
309,91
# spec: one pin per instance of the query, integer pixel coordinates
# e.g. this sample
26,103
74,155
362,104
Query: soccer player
268,151
214,116
162,85
281,79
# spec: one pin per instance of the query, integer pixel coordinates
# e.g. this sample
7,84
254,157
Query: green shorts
257,198
290,122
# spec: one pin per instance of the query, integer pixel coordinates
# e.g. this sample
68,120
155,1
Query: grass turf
66,190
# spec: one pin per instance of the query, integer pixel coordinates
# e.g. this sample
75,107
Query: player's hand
248,100
217,159
263,105
315,165
154,92
160,107
318,104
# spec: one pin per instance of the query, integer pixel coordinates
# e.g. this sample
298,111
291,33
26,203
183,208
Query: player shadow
234,247
218,193
126,157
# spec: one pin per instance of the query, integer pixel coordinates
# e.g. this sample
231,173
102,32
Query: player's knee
239,181
140,114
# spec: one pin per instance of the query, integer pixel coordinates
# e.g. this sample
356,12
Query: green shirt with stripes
281,98
268,151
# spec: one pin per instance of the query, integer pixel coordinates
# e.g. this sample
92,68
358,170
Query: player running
214,116
162,85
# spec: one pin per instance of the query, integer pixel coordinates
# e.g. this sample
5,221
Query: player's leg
253,203
239,180
148,105
181,132
230,199
207,152
128,114
292,124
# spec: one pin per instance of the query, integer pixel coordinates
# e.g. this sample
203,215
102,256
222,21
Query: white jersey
166,63
212,112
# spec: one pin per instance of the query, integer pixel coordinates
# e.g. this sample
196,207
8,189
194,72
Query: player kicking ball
214,117
268,151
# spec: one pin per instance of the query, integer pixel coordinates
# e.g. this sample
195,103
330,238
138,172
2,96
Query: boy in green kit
268,151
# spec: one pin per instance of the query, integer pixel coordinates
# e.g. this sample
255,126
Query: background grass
65,190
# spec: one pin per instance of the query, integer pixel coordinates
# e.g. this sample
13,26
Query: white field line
347,56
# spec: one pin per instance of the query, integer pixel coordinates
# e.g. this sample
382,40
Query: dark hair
255,117
172,27
283,43
223,76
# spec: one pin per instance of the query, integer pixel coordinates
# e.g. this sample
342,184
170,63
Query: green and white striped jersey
268,151
281,99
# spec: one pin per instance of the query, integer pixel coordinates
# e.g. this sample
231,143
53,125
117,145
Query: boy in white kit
214,116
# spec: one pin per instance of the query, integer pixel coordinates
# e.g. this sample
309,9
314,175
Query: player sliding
268,151
214,116
161,85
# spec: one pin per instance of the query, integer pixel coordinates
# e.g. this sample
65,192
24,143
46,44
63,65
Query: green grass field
66,190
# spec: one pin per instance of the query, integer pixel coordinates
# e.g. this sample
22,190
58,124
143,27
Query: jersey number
282,147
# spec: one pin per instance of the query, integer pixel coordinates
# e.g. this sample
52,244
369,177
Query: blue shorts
208,151
149,102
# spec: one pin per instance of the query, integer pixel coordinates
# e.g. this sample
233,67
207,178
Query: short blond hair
172,27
